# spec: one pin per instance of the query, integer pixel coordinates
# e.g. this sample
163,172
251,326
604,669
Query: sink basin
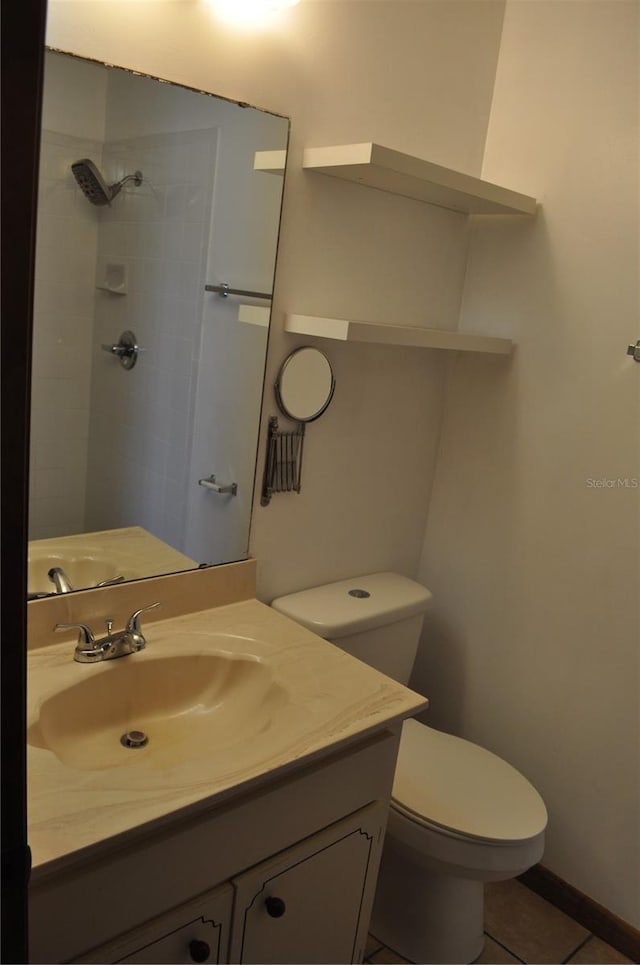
188,706
82,570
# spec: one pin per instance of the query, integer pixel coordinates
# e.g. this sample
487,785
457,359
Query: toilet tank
376,618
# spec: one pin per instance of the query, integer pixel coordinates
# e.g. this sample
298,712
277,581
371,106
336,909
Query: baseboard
597,919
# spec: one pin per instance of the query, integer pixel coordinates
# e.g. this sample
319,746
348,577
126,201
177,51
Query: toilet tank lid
350,606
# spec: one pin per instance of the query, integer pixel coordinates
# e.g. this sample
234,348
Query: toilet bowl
459,815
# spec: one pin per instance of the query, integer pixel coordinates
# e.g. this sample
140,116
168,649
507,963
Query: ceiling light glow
250,13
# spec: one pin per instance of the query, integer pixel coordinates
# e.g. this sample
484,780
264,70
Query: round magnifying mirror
305,384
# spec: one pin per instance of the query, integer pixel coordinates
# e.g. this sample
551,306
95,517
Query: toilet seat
452,786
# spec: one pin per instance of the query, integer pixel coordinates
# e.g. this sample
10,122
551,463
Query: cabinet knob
199,951
275,907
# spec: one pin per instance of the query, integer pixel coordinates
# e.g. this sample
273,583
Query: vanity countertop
321,700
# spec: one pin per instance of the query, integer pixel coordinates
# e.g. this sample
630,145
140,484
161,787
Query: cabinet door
312,902
197,931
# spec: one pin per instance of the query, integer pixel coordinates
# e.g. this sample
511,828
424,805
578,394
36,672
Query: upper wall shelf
345,330
388,170
272,162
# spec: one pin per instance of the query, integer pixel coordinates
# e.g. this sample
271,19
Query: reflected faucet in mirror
63,585
122,452
59,579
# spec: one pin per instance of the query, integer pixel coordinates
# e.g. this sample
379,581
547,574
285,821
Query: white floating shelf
271,162
388,170
349,331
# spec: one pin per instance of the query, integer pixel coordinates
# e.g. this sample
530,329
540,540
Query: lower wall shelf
349,331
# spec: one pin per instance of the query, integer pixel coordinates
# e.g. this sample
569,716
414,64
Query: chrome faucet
60,580
119,644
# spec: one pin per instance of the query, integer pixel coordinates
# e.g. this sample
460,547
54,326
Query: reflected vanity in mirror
148,193
304,388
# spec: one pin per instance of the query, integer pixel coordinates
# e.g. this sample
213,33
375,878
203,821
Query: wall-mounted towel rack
283,466
224,291
216,487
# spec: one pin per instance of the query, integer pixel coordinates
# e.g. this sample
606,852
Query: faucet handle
85,635
133,623
111,582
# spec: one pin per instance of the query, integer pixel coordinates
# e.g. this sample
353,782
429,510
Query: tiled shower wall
140,428
67,239
128,432
190,406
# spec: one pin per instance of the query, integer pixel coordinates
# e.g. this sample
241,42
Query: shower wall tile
127,433
66,247
141,421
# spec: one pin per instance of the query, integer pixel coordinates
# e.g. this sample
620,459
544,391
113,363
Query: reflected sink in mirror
81,571
188,706
89,559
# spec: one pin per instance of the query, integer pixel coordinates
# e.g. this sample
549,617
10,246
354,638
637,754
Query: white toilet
459,815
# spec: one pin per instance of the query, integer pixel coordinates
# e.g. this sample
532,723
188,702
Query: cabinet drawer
312,902
197,931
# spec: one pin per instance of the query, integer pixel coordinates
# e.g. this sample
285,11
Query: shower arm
136,176
117,187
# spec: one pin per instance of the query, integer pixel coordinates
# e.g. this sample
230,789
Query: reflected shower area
148,193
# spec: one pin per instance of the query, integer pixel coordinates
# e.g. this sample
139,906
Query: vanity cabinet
282,873
196,932
306,905
310,903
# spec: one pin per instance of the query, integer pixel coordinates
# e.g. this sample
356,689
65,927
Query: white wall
532,647
74,99
415,76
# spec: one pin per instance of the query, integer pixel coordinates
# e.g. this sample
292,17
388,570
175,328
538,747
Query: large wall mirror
171,190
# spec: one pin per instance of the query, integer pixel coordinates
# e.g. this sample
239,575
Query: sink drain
134,738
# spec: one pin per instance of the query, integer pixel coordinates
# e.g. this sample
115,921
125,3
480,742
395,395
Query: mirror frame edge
48,49
23,40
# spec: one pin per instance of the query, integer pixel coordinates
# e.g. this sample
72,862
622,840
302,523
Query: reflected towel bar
216,487
224,291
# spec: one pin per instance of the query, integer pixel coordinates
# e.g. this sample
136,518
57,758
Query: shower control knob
634,350
199,951
275,907
126,349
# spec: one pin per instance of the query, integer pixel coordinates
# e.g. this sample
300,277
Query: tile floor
522,927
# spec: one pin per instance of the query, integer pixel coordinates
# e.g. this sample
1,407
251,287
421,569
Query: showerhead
94,186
